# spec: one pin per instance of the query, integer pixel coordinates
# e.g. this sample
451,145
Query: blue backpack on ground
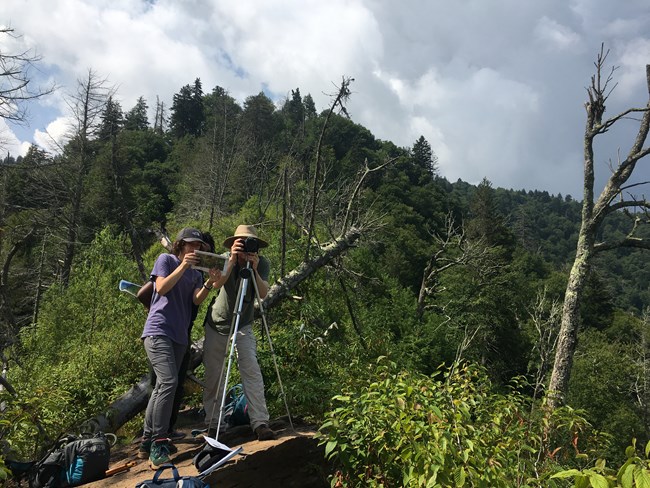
236,410
73,461
177,481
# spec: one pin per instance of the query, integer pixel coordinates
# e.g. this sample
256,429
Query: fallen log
133,401
281,288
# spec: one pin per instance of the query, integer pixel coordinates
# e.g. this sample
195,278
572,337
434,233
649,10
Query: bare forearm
165,284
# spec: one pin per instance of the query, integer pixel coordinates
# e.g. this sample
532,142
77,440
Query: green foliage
448,430
188,112
85,350
607,383
634,473
30,420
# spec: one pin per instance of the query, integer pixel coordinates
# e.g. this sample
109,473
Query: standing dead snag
341,97
614,197
452,249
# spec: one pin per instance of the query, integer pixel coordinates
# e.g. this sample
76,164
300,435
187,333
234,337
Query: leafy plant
635,472
448,430
84,351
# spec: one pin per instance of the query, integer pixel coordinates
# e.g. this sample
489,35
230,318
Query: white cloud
560,36
54,136
496,86
9,143
632,56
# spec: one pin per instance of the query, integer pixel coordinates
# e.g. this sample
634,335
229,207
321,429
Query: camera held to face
251,245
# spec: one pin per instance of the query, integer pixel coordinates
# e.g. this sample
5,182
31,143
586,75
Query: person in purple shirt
177,287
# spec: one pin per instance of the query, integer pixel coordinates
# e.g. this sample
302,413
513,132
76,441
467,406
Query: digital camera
251,245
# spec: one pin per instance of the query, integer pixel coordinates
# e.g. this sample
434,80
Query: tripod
245,276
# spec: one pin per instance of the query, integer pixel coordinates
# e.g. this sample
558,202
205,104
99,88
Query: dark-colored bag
208,456
236,410
73,461
177,481
145,294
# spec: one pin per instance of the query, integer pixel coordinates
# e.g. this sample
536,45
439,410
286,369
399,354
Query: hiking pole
275,362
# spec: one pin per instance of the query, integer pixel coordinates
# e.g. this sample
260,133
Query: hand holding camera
248,245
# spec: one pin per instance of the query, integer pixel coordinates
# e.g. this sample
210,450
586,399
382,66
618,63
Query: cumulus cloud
10,145
496,86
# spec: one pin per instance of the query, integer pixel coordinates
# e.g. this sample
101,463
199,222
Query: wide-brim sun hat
242,232
188,234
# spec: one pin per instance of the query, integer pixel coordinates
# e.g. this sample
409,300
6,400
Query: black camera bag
208,456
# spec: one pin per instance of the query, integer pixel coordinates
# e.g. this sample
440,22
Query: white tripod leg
275,362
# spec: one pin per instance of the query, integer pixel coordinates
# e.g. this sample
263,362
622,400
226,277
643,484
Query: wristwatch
207,287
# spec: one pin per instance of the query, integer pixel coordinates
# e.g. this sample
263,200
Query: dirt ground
294,459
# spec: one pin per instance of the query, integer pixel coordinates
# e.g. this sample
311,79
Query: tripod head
246,272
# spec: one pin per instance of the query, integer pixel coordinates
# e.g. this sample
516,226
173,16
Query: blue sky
497,87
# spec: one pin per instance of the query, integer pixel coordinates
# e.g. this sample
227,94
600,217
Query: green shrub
85,349
635,472
448,430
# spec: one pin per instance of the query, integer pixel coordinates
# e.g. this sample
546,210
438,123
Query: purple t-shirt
170,314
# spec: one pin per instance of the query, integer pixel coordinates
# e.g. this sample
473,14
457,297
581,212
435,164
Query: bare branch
366,171
604,127
341,97
627,204
452,249
636,242
15,83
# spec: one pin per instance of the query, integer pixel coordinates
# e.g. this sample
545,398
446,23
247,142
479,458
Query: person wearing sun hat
218,321
177,288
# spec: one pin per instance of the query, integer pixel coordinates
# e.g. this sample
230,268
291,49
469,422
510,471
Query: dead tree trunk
341,97
86,106
612,199
5,302
282,287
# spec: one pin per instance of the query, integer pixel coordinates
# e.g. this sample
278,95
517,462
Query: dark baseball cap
188,234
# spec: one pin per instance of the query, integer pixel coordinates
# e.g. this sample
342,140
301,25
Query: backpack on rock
73,461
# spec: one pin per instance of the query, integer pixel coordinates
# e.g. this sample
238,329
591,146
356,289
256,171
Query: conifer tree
136,118
112,120
423,156
310,107
188,114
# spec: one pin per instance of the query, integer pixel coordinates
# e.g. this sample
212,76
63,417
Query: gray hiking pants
215,356
165,356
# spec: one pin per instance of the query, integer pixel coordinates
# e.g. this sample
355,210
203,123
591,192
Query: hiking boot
159,454
263,433
144,449
175,435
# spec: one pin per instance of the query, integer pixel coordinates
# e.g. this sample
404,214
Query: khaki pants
215,355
